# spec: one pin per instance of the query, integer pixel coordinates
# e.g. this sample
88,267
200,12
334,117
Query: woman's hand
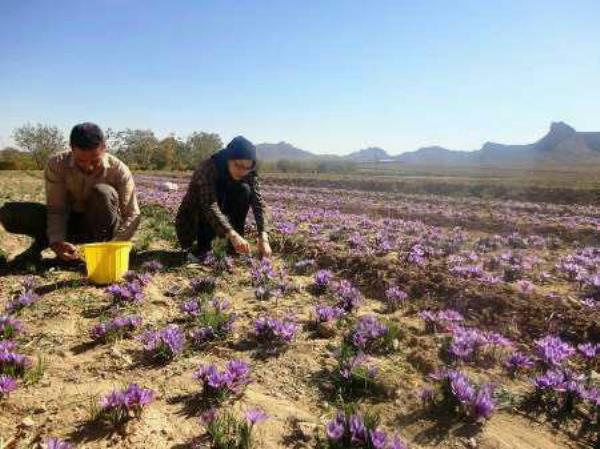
264,249
239,243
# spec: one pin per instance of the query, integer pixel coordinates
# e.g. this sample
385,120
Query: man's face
238,168
89,161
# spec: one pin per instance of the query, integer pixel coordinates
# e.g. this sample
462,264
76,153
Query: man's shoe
27,259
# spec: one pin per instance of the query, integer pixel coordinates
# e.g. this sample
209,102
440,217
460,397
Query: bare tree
41,141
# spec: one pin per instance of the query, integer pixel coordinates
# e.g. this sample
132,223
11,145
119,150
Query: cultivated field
462,313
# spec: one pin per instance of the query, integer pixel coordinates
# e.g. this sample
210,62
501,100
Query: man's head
88,146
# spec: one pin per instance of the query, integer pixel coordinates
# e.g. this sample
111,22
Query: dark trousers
235,207
97,224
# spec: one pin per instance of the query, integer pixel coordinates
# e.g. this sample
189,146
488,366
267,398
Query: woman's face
238,168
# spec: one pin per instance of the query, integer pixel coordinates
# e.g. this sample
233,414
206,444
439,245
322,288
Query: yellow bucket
106,262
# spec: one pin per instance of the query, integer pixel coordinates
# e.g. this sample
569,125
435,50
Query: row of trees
142,150
138,148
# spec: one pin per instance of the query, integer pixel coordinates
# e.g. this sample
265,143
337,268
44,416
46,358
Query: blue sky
328,76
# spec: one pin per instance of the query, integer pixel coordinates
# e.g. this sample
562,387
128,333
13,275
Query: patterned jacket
200,204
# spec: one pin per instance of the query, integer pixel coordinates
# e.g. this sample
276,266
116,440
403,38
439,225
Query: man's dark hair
86,136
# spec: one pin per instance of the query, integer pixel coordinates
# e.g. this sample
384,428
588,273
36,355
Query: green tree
199,146
135,147
41,141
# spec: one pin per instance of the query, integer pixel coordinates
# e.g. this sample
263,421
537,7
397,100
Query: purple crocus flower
25,299
483,404
117,327
335,428
325,313
274,331
256,416
395,297
378,439
358,431
55,443
518,362
588,350
206,284
368,333
152,266
164,344
9,327
322,279
348,297
7,385
553,351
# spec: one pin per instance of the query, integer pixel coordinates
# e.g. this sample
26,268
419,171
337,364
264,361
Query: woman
222,189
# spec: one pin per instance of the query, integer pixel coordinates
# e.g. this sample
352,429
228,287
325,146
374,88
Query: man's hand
264,249
239,243
65,251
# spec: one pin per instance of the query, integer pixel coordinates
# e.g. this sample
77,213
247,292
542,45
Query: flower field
384,320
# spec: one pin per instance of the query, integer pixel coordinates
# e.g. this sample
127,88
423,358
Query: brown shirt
68,188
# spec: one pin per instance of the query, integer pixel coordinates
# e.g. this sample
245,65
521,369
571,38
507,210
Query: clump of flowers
275,332
7,385
372,336
214,320
348,297
325,317
356,431
553,351
130,292
304,266
395,298
116,328
518,362
163,345
152,266
204,285
55,443
268,283
322,280
457,393
23,300
354,372
11,363
220,385
228,432
141,278
9,327
558,391
475,345
440,321
120,406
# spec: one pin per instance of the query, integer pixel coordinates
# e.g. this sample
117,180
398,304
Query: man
90,197
221,191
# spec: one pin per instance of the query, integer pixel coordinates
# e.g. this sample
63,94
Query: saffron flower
274,331
9,327
7,385
119,327
122,405
219,385
164,345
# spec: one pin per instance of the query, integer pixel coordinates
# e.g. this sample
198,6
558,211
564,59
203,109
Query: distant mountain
562,144
371,154
282,150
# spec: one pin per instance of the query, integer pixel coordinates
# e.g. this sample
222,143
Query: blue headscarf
238,148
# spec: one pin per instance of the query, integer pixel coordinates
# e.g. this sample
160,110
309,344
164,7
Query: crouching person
219,196
90,197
